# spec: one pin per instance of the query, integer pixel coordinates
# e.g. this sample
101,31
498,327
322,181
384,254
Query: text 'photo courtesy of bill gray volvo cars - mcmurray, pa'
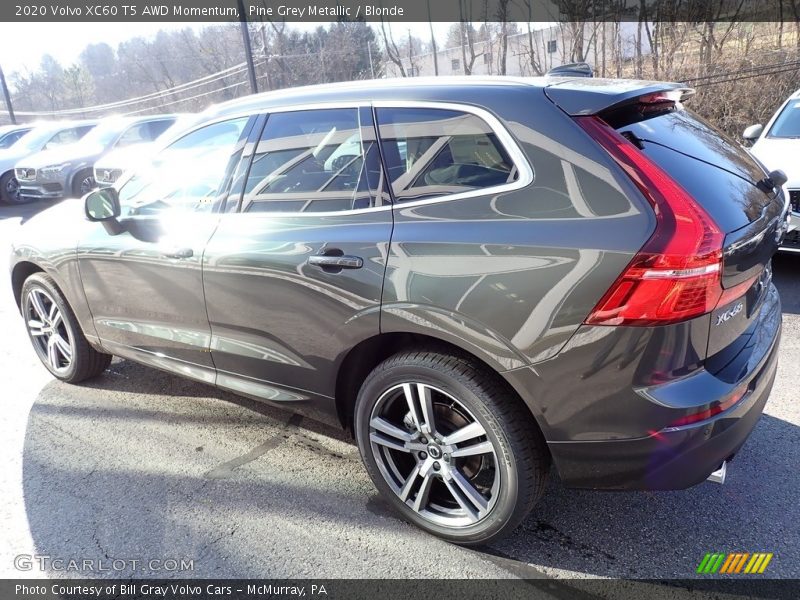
481,278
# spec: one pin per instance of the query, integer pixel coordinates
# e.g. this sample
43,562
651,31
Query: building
531,53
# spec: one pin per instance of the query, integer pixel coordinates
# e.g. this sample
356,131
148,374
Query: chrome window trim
520,161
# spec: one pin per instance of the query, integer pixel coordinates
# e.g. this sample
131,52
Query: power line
229,72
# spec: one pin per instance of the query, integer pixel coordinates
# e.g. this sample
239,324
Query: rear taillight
677,274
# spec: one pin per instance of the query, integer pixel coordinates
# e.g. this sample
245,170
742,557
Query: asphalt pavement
140,465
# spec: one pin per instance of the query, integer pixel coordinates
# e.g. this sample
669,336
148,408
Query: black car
478,277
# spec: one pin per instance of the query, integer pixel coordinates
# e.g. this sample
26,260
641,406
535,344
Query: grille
794,199
792,240
108,175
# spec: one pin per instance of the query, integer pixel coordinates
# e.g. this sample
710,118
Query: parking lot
142,465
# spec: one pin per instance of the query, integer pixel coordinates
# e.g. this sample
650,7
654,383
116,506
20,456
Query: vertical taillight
677,274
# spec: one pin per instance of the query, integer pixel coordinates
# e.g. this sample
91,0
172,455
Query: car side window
432,152
318,160
188,175
65,136
135,134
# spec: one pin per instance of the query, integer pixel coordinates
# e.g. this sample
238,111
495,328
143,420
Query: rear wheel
55,333
450,447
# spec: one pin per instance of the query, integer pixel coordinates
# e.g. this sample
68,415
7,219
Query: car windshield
105,133
787,125
35,139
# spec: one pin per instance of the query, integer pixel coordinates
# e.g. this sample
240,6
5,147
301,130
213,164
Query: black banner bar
396,10
366,589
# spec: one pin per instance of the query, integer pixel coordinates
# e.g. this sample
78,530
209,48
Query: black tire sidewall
507,502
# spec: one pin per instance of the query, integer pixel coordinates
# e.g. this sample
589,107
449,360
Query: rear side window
431,152
159,127
67,136
313,161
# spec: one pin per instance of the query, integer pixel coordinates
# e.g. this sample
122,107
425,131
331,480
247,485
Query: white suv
778,146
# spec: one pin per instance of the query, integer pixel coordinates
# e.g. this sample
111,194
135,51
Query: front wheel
84,183
9,189
450,446
55,333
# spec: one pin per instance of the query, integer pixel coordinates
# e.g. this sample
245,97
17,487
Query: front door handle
178,253
331,261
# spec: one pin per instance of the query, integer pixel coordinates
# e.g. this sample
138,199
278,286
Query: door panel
144,286
294,280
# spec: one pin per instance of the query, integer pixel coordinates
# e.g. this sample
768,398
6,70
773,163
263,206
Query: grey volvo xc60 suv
480,278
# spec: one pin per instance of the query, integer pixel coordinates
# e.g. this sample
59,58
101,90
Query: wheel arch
70,187
21,271
367,354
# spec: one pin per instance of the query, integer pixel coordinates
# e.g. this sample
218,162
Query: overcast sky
22,45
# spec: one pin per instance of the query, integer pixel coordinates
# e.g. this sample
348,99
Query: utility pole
248,50
7,97
433,43
369,53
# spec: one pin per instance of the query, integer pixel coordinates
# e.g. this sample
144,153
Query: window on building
552,47
455,64
434,152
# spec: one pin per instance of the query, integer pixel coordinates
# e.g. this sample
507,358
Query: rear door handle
178,253
336,262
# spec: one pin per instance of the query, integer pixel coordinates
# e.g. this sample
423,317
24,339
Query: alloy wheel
12,189
52,339
434,454
87,185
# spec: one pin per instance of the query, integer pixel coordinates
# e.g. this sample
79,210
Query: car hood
9,158
62,223
57,156
124,158
779,154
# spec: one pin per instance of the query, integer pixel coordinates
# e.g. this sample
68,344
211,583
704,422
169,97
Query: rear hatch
716,171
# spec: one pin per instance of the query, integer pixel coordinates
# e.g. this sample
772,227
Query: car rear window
431,152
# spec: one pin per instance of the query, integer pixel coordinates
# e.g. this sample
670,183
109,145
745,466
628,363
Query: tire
55,333
9,190
503,456
83,183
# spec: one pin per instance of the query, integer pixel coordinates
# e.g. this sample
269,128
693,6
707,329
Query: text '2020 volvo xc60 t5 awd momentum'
480,278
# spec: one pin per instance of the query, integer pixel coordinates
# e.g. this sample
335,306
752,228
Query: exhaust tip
718,476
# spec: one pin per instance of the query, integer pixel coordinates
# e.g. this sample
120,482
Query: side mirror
753,132
103,206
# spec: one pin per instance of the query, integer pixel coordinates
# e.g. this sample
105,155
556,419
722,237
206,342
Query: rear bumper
672,458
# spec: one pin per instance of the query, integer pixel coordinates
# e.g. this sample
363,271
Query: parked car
110,167
46,136
70,170
522,272
777,146
9,134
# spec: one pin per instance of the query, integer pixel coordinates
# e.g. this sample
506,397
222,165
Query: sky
22,45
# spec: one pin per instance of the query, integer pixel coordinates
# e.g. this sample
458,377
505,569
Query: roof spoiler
580,97
579,69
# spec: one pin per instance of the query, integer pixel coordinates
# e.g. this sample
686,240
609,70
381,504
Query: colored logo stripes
734,562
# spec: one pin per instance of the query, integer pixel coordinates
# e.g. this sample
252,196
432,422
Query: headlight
51,171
